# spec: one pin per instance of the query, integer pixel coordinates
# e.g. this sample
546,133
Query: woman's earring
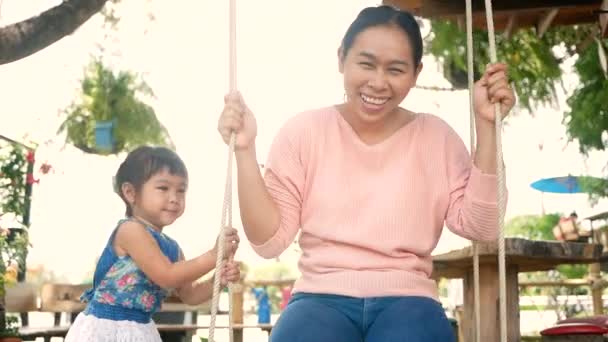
345,98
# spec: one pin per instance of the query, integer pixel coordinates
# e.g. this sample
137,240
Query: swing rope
499,174
502,269
475,246
227,206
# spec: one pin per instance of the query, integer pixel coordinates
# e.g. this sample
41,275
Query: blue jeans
332,318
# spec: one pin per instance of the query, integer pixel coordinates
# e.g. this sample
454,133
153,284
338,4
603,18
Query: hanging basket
110,115
104,136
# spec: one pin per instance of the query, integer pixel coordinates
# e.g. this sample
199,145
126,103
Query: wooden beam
557,283
413,6
432,8
604,20
509,27
545,21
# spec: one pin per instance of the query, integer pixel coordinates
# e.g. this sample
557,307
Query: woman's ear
128,192
418,70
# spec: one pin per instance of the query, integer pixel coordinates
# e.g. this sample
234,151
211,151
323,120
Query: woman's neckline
401,130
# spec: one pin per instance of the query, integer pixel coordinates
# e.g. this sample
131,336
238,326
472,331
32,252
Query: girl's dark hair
385,15
144,162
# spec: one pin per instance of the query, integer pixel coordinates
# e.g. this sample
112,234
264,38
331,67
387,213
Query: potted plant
10,333
13,249
109,115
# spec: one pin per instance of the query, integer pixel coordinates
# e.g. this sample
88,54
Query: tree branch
27,37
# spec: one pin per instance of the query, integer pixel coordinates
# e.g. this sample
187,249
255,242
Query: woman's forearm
485,154
259,214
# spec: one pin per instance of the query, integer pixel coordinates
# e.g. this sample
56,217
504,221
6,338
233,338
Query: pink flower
147,300
107,299
31,180
31,157
127,279
112,269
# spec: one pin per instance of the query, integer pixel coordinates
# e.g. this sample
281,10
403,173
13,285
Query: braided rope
501,187
219,261
435,88
499,174
227,206
475,246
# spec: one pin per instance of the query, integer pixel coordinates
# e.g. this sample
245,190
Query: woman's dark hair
381,16
144,162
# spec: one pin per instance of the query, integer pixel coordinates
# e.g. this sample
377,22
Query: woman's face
379,71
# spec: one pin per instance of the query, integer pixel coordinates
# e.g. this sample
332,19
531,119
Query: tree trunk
27,37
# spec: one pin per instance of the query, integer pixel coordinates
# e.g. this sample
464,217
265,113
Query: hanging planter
109,115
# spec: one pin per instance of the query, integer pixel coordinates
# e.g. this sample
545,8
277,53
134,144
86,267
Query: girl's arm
198,292
133,239
195,292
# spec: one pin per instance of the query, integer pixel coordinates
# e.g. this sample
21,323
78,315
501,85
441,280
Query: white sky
286,63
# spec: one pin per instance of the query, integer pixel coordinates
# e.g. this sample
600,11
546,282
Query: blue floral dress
122,300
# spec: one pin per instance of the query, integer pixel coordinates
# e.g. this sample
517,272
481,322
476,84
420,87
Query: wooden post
596,291
488,289
237,310
460,319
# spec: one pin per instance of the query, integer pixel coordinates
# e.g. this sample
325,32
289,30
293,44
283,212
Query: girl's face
162,199
379,71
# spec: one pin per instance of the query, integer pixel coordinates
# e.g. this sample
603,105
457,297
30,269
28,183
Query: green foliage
587,119
535,69
573,271
13,250
533,78
13,170
15,163
11,328
533,227
596,187
106,96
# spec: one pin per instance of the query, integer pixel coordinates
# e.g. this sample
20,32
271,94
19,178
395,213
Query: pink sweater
370,216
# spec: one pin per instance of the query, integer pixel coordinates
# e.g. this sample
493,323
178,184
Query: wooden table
521,256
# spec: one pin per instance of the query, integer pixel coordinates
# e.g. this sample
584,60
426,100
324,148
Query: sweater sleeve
473,200
284,178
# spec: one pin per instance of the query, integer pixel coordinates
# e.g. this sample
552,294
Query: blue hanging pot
104,135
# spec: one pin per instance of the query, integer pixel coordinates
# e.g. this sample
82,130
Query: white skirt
88,328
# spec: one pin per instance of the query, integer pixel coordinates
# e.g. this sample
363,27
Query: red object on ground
575,329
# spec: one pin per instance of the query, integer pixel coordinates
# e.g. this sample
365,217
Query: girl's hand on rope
231,242
236,117
493,87
230,273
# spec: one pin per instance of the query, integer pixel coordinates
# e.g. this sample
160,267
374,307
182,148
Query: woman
369,185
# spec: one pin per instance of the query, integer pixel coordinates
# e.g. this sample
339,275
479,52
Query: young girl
140,264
